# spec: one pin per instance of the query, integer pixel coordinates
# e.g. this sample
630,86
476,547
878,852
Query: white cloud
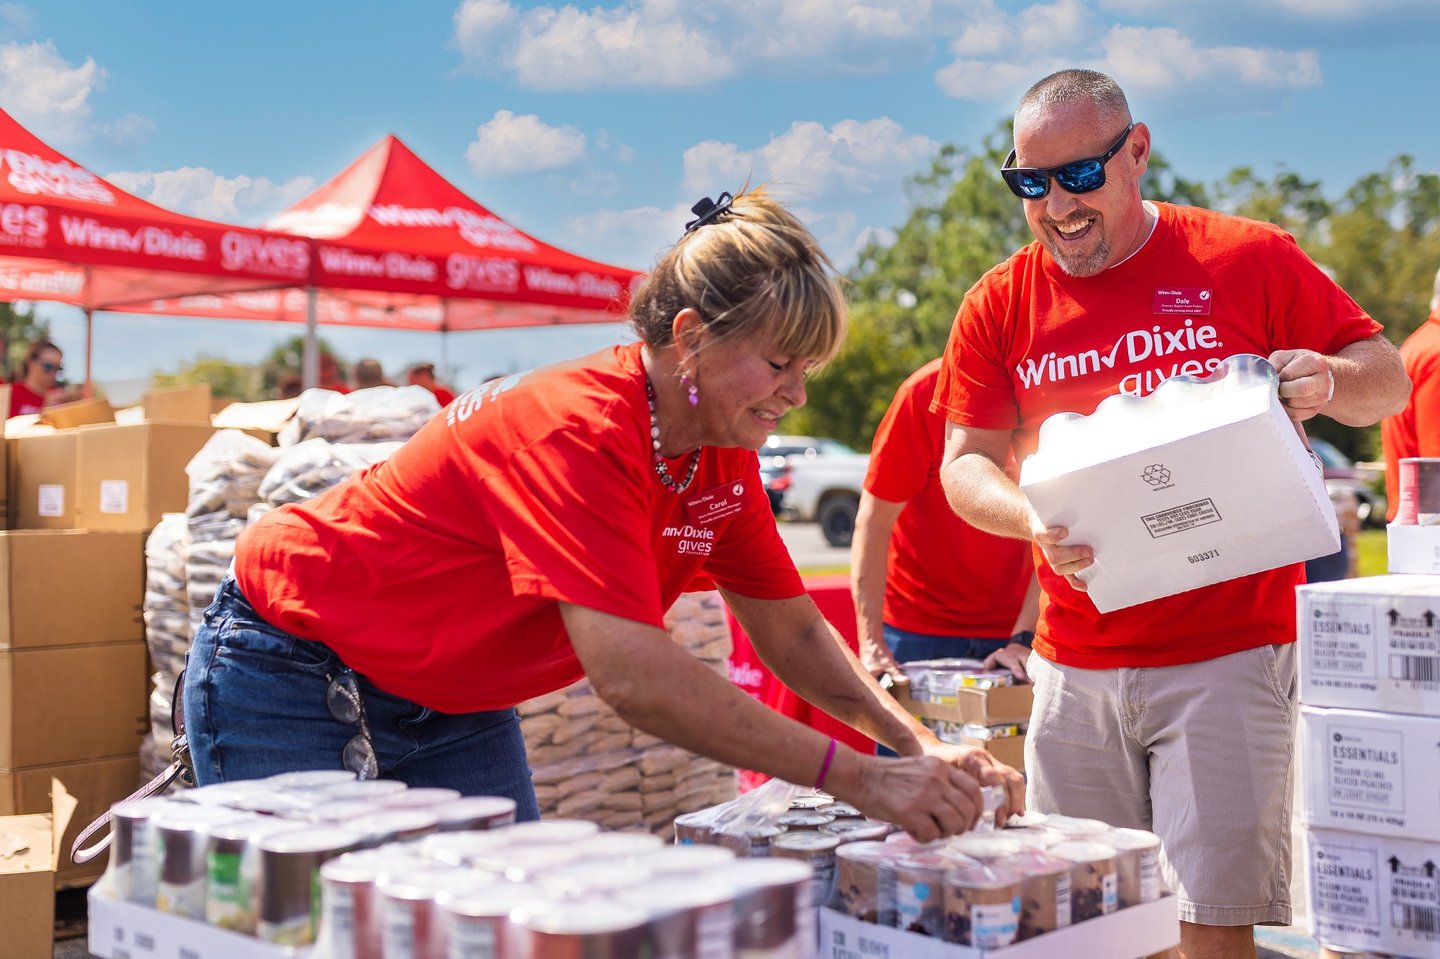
52,97
523,143
17,17
1154,61
673,44
862,156
633,238
205,193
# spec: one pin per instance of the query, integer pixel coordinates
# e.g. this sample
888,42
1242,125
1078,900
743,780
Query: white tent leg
310,357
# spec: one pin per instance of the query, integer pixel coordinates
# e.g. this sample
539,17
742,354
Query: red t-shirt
944,577
1030,341
1416,430
443,396
24,400
436,574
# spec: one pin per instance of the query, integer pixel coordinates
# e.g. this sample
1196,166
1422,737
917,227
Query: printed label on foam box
1371,643
1372,772
1374,892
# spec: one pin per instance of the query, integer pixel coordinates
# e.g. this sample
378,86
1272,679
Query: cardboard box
43,602
1370,772
96,784
125,930
1129,933
72,703
132,474
178,404
263,420
1200,482
67,416
1371,643
1373,892
30,848
1412,549
44,480
988,707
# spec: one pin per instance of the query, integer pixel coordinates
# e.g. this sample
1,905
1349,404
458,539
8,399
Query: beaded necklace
661,470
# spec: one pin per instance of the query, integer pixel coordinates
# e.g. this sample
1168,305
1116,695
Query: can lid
363,789
422,798
553,831
672,894
461,847
1083,851
595,876
494,901
803,819
618,845
806,842
470,808
365,865
420,879
869,852
683,860
310,778
986,848
745,874
317,839
582,917
1131,839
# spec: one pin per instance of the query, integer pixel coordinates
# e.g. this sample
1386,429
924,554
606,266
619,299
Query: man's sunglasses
1077,176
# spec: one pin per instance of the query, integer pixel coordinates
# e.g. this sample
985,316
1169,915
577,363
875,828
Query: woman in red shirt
537,530
39,377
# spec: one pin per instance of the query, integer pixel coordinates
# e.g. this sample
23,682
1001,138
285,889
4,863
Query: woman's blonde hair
753,269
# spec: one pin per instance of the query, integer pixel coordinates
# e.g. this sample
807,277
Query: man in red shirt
927,584
1416,430
1178,714
423,374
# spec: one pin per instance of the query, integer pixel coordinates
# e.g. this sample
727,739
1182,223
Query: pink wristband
825,767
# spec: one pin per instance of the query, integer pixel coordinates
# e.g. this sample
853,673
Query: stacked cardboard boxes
85,491
1370,757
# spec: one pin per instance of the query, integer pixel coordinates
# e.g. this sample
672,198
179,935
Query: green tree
286,360
226,379
18,329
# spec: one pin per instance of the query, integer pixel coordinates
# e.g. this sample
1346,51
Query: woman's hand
926,796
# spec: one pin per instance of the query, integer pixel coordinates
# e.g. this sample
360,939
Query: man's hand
1013,657
877,658
987,771
1306,382
1064,559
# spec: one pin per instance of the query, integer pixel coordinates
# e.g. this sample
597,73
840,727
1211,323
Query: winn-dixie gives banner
66,234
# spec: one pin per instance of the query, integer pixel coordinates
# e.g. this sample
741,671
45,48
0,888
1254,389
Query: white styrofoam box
1371,772
1412,549
1374,892
1202,481
1371,643
1126,934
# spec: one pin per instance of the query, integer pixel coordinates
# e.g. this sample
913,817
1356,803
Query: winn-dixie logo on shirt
692,540
1167,349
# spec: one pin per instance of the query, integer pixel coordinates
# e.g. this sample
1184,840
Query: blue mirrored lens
1081,176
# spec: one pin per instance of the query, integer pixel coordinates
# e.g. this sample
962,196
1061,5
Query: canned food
183,846
856,830
475,812
865,881
410,926
232,893
774,914
461,848
694,827
617,846
840,810
289,880
553,831
592,878
920,892
370,789
1137,865
476,920
1094,885
987,848
1044,892
589,928
982,904
134,854
817,851
395,825
350,911
753,843
687,860
797,819
688,917
811,801
422,798
310,778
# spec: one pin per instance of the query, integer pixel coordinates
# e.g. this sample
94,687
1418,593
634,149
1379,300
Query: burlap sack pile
588,763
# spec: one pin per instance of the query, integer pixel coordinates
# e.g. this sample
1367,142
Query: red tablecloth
832,596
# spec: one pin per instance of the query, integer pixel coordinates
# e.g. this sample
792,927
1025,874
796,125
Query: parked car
820,483
780,447
1343,474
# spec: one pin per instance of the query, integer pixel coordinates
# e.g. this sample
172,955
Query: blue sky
594,126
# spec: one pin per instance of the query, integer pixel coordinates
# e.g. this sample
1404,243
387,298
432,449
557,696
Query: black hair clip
708,210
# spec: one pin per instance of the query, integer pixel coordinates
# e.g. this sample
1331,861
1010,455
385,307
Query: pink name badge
715,504
1182,301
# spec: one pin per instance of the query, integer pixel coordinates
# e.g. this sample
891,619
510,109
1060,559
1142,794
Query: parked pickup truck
824,489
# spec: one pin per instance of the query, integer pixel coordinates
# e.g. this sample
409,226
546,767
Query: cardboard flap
62,807
178,404
268,415
27,844
25,425
79,413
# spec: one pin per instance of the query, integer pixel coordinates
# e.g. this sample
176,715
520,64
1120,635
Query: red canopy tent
67,235
399,246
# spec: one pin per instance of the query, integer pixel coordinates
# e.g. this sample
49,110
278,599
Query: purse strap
180,768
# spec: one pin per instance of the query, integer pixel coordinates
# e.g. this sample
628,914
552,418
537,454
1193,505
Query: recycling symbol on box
1156,474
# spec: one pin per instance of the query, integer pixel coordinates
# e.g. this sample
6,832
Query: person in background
927,584
1176,715
423,374
38,382
330,376
1415,431
390,627
368,373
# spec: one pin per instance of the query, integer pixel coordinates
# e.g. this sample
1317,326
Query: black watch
1025,637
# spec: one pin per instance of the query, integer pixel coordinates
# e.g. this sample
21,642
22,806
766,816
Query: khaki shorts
1199,753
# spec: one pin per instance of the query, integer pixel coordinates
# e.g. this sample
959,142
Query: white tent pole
310,357
89,389
445,375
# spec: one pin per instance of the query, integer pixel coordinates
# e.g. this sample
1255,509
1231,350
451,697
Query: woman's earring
690,388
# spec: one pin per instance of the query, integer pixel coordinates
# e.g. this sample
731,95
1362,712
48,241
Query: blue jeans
255,706
908,647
